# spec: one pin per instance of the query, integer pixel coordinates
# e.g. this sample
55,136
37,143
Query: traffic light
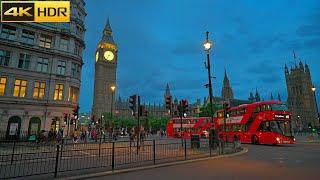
169,103
185,106
133,103
65,118
76,112
141,110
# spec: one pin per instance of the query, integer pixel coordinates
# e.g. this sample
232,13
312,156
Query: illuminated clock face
108,55
97,56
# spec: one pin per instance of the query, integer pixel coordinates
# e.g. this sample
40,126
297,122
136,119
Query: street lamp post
113,88
207,46
315,100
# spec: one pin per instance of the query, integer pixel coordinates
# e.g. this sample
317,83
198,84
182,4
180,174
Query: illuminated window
61,70
8,32
38,91
27,36
3,81
4,58
64,44
24,61
42,65
20,87
45,41
58,92
73,94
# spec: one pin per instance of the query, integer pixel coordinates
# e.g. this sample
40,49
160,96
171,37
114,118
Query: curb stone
99,174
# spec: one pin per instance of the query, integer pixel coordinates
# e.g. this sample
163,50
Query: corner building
40,72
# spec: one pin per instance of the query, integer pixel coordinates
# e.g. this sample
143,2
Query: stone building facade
40,72
301,98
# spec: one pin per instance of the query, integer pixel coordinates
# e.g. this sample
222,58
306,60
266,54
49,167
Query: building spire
226,92
107,33
167,91
257,96
279,98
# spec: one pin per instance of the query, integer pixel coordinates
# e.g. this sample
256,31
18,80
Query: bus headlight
294,139
278,139
287,116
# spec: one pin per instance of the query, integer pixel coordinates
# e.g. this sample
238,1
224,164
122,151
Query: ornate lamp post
207,46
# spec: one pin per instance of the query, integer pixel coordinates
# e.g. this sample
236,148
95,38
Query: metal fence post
100,147
185,149
154,151
210,146
61,151
113,154
57,162
13,148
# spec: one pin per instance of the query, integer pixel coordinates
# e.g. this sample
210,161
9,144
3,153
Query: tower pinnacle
226,92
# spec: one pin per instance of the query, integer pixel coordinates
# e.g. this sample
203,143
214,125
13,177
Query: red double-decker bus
267,122
192,125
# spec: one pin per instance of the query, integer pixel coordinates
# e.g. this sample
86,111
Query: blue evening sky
160,41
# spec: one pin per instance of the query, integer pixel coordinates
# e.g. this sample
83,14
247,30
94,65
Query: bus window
257,109
241,111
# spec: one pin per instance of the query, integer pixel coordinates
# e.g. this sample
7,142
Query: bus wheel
255,139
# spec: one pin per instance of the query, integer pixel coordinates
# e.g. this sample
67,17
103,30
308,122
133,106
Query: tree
206,110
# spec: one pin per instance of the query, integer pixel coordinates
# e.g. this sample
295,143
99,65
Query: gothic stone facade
40,67
301,98
105,74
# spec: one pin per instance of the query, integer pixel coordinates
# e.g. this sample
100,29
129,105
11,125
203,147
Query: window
27,36
73,94
45,41
75,70
61,70
58,92
8,32
42,65
257,109
64,43
38,90
4,58
77,48
20,87
3,81
24,61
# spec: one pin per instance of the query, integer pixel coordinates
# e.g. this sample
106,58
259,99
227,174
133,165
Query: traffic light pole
181,113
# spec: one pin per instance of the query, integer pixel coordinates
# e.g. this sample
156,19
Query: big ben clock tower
105,73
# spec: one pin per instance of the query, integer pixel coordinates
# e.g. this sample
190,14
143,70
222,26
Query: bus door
264,132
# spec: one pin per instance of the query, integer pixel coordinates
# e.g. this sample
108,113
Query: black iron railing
19,159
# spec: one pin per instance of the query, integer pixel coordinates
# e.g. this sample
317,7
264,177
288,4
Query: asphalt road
299,161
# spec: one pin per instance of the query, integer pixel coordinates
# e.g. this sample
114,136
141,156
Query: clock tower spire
105,73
